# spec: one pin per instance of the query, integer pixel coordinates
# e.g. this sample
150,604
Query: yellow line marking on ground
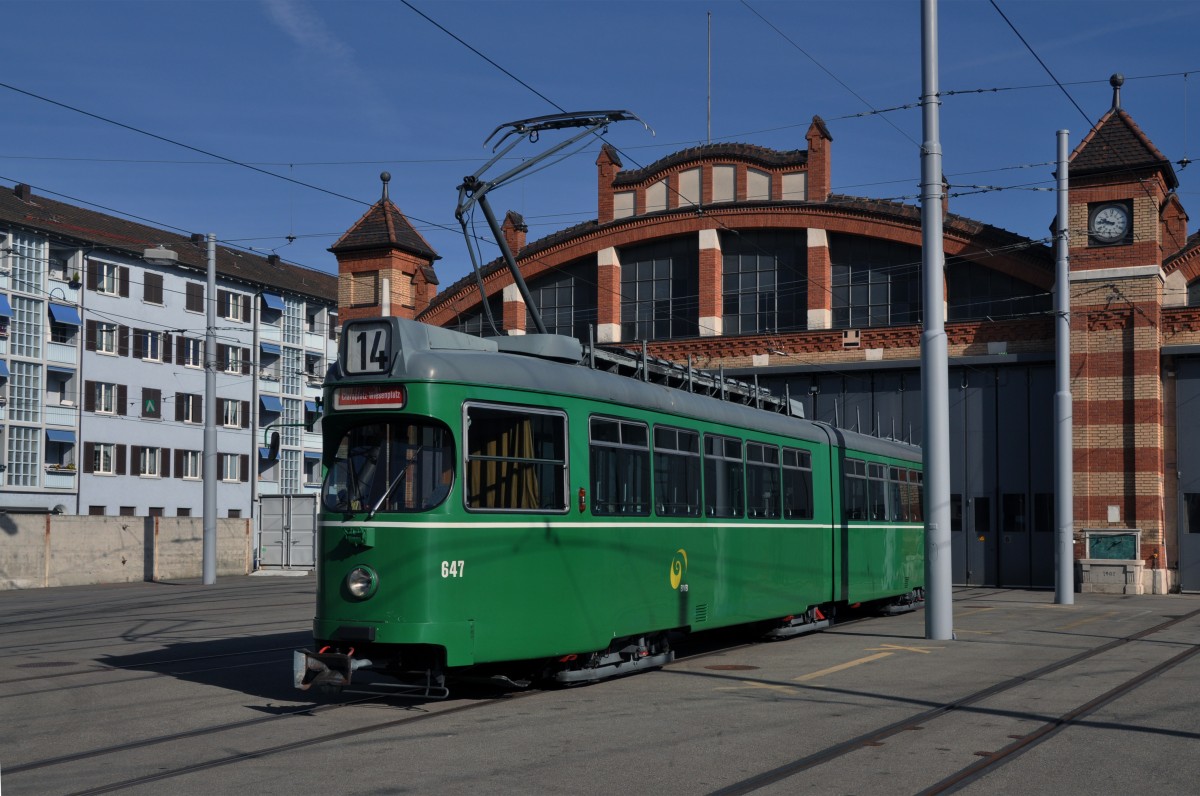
841,666
976,632
972,612
922,650
1087,621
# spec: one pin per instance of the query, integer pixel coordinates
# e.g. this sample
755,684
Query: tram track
475,703
993,761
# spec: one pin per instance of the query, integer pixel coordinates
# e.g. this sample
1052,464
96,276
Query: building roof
1039,254
79,227
771,158
1117,144
383,226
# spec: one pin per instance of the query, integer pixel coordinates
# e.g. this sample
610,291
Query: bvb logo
678,567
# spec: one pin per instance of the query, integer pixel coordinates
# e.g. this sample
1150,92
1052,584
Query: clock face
1110,223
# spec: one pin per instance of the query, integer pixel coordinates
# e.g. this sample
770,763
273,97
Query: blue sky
332,93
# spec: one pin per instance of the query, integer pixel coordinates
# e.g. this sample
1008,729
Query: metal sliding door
1187,409
1012,473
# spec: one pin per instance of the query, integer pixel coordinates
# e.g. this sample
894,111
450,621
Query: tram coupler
324,668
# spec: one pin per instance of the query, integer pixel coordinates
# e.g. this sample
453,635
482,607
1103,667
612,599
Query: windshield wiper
395,482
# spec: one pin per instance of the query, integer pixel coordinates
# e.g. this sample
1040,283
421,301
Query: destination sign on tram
367,348
370,396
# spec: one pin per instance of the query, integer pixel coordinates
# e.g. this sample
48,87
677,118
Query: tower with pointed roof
385,267
1123,222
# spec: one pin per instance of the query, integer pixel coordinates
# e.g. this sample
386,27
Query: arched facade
741,258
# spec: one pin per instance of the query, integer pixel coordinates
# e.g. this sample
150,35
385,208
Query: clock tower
1120,186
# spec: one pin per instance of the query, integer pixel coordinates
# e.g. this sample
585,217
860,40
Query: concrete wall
38,550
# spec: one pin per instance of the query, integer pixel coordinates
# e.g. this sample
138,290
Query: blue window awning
272,302
270,348
5,308
60,435
270,403
62,313
310,406
311,455
66,369
263,452
3,369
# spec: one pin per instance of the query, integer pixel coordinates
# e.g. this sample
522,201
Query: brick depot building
740,257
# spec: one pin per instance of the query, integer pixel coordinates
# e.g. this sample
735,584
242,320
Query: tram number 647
453,569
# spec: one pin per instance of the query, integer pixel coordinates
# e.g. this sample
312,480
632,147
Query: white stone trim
820,319
1116,273
712,326
608,333
709,239
608,257
817,238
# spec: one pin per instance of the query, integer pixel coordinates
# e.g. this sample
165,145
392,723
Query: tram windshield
397,465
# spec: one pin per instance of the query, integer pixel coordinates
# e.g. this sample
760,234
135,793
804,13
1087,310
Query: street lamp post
163,256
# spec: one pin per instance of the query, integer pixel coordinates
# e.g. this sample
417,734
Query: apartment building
102,366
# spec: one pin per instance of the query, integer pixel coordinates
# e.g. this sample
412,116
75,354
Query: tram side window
516,459
876,491
724,484
620,457
855,505
762,480
897,495
797,484
676,472
916,496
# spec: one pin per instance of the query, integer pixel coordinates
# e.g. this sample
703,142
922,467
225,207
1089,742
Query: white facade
103,377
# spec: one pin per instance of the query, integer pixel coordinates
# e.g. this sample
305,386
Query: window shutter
179,464
89,457
123,281
89,396
135,459
222,303
180,350
179,398
220,411
120,469
164,458
122,399
245,361
93,274
123,340
89,336
245,414
139,343
222,356
245,466
194,297
166,347
246,309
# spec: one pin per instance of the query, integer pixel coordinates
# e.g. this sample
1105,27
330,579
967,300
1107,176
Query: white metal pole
939,610
210,418
1064,448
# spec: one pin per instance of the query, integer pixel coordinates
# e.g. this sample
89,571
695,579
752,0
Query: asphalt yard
176,687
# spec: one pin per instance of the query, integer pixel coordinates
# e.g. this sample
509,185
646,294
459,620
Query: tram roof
554,365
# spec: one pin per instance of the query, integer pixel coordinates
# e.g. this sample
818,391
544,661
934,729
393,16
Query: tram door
1187,396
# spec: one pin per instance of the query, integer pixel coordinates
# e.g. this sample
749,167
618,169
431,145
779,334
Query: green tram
497,506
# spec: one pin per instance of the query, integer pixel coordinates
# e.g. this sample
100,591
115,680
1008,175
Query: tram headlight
361,582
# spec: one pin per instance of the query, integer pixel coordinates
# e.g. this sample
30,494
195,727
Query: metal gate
287,531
